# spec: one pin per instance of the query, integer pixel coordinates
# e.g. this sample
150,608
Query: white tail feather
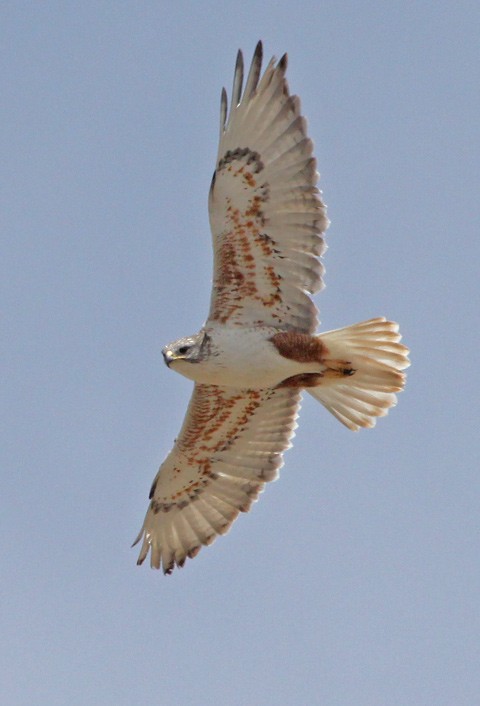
372,349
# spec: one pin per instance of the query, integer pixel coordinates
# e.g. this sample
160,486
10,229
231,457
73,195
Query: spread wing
265,211
230,445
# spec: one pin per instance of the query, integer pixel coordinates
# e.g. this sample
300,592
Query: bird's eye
183,349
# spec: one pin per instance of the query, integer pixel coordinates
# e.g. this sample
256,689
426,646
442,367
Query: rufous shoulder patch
301,347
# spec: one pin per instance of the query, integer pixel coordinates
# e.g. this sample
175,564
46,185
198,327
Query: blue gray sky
355,580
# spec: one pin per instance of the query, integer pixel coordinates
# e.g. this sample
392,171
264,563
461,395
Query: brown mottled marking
238,154
244,268
248,177
299,346
211,411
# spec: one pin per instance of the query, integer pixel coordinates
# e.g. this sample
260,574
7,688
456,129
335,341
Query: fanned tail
369,359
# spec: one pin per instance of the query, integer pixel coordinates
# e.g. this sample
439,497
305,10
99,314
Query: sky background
355,580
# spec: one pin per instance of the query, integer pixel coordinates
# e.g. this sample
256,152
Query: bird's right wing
230,445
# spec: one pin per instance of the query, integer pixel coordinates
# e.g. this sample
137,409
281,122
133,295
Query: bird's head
181,354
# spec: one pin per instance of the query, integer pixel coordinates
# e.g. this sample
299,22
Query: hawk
258,349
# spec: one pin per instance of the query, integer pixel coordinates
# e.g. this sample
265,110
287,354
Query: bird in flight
258,349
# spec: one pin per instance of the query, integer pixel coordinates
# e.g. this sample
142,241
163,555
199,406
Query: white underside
247,360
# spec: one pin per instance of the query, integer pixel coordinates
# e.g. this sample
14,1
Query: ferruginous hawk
258,348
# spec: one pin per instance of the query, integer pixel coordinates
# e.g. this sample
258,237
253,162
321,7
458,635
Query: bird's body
259,348
243,357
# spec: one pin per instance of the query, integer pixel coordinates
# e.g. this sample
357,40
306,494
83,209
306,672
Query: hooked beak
167,356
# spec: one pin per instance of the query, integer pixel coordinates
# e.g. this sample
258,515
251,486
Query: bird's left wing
266,214
231,443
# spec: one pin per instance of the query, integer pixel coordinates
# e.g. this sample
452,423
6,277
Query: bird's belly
260,370
246,359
